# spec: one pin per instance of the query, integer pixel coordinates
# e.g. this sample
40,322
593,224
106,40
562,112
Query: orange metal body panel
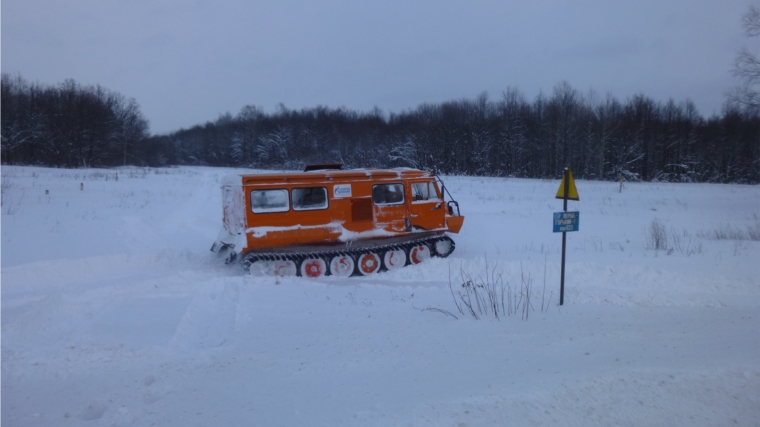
454,223
351,213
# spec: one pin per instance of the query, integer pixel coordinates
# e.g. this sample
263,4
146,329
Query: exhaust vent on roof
324,166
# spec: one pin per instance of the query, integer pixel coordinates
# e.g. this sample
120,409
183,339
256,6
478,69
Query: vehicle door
426,206
390,206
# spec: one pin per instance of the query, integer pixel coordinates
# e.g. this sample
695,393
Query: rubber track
298,258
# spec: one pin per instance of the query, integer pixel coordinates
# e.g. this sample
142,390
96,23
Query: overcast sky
188,61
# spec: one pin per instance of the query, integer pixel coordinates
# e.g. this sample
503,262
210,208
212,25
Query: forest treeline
600,137
69,125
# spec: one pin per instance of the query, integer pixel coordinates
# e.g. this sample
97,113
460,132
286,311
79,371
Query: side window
306,199
388,194
266,201
433,193
420,191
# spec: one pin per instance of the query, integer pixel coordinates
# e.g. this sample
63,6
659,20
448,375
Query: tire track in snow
209,322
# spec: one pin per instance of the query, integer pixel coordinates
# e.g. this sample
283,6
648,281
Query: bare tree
513,109
747,66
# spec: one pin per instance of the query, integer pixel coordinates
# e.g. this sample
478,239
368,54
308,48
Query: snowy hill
115,312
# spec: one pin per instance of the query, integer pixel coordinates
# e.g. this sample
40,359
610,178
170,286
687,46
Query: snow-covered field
115,312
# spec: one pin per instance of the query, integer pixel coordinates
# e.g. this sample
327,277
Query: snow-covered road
114,312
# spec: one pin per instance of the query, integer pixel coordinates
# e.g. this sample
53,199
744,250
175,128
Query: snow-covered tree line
600,137
68,125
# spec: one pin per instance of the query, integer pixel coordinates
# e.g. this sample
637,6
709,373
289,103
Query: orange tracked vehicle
328,221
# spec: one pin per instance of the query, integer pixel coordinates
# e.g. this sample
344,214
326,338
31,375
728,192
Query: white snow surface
115,312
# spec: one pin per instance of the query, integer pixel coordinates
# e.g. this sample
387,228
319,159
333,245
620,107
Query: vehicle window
433,193
420,191
310,198
388,194
265,201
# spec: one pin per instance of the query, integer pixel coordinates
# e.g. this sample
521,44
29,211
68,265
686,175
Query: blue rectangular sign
566,221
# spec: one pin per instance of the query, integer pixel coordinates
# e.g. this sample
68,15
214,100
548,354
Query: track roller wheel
313,268
418,253
443,247
394,259
273,268
369,263
342,265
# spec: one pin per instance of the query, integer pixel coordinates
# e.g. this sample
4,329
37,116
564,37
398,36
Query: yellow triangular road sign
572,192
